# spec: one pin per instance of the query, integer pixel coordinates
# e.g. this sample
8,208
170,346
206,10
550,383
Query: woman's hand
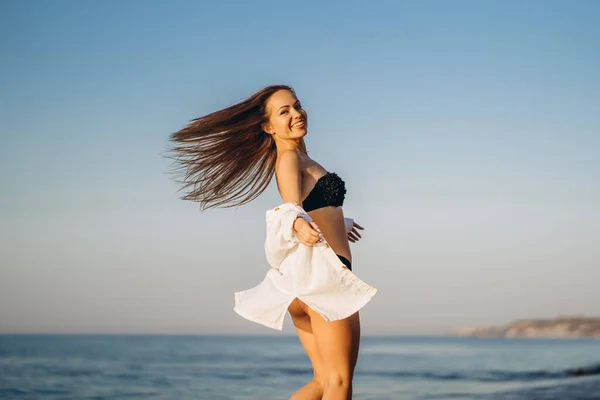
353,235
307,232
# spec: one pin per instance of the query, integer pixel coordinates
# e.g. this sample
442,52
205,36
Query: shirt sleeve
280,238
348,223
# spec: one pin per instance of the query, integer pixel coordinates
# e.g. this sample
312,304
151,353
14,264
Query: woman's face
286,117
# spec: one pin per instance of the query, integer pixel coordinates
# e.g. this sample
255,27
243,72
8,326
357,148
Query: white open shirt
313,274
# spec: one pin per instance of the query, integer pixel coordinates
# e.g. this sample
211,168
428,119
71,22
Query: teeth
298,124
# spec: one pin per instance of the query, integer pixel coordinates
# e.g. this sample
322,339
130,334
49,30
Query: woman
229,158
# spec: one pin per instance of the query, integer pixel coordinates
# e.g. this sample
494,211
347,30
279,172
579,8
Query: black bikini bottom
346,262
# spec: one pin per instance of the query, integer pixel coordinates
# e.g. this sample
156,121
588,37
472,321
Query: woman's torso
330,219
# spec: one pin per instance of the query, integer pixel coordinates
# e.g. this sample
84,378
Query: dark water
273,367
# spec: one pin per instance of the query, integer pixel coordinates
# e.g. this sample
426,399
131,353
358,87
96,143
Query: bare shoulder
289,159
288,173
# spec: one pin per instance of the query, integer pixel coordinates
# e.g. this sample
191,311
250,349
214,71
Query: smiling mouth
299,124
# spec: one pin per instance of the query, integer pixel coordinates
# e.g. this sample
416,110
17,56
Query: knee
338,380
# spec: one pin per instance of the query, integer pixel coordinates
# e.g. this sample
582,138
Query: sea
273,367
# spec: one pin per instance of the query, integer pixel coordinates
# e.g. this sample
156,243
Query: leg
337,343
314,389
355,327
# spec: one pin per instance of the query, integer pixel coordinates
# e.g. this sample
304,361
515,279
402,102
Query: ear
266,127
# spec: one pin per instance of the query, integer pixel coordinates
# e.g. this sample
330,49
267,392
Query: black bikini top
330,190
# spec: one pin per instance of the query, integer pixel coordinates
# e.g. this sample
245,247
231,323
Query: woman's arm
289,176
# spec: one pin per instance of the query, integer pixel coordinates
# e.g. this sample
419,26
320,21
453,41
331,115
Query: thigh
355,328
337,342
303,326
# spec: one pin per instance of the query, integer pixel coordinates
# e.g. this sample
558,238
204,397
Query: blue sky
467,132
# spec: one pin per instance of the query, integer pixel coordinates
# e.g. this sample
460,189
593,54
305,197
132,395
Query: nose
296,114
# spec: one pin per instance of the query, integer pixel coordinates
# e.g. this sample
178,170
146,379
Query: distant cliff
560,327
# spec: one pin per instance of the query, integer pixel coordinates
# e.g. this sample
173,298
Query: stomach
331,222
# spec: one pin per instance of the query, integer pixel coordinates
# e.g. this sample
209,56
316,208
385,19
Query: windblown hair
225,159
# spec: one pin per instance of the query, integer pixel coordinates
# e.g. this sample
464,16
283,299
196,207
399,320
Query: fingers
314,225
315,233
307,243
355,225
353,235
310,235
310,241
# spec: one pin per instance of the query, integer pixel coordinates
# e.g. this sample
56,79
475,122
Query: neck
296,145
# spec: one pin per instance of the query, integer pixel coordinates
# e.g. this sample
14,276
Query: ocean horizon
258,366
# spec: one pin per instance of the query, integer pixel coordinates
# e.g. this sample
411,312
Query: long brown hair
225,158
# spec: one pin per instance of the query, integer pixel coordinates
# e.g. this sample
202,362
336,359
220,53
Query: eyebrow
297,101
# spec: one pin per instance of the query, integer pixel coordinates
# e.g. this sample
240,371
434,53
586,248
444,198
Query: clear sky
468,134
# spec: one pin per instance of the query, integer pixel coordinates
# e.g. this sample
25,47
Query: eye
283,112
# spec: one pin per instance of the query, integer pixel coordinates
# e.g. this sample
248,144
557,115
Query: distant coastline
560,327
